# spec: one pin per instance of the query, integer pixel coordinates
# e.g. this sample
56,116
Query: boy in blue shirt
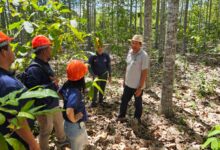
100,67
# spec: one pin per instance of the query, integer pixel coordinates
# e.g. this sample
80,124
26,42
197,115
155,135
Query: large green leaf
15,25
213,133
98,87
25,115
10,96
1,10
13,112
65,11
214,144
28,105
28,27
207,142
33,110
2,119
49,111
40,93
3,142
17,145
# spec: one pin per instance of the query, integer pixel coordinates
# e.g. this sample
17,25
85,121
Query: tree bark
162,30
184,48
147,32
89,42
157,25
169,59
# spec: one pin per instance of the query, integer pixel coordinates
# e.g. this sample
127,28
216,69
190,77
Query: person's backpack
23,76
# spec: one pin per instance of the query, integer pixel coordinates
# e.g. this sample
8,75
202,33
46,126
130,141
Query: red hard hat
4,39
40,40
76,70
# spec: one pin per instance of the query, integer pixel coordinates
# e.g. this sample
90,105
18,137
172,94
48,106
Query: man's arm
142,81
25,133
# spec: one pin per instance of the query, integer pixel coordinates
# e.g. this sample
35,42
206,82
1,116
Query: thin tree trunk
169,59
157,24
112,21
131,6
181,12
200,15
162,30
89,44
135,19
185,27
147,32
210,14
141,21
94,9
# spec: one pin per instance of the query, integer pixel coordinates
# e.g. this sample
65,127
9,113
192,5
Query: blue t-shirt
73,99
9,84
100,64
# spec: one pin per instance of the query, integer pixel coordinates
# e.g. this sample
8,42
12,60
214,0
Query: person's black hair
37,52
4,47
79,84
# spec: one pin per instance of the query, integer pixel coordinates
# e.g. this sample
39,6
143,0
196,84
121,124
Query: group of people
39,72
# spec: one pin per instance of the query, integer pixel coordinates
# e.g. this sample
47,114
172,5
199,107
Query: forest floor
196,104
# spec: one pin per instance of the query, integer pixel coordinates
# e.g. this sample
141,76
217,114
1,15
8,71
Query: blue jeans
126,97
76,134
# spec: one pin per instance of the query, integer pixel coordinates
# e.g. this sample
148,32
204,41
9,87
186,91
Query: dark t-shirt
41,76
9,84
100,64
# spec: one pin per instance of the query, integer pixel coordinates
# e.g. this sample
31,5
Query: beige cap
138,38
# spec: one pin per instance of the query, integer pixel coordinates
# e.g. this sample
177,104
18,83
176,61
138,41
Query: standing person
8,84
75,115
134,82
100,66
40,73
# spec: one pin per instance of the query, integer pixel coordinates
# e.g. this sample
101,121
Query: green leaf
213,133
214,144
15,25
1,10
40,93
33,110
49,111
98,87
25,115
13,112
3,142
65,11
16,144
217,127
2,119
28,105
10,96
207,142
28,27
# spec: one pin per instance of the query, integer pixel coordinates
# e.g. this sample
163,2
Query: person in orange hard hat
75,115
39,73
8,84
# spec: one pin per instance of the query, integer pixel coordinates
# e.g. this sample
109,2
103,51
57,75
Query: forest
181,101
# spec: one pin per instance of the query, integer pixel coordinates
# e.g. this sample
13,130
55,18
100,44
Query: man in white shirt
136,74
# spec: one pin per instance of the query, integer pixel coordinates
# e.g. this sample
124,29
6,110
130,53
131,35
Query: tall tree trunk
70,8
94,15
181,12
89,41
162,30
157,24
210,15
141,21
131,13
147,31
135,19
200,15
184,48
169,59
112,21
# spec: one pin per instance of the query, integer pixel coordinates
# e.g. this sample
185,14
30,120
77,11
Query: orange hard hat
40,41
76,70
4,39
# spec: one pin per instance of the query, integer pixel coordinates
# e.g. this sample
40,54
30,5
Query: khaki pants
46,123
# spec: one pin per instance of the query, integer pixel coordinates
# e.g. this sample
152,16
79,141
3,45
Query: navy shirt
100,64
73,99
9,84
41,76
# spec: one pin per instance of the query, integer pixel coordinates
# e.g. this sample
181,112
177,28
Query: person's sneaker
93,105
121,119
63,144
